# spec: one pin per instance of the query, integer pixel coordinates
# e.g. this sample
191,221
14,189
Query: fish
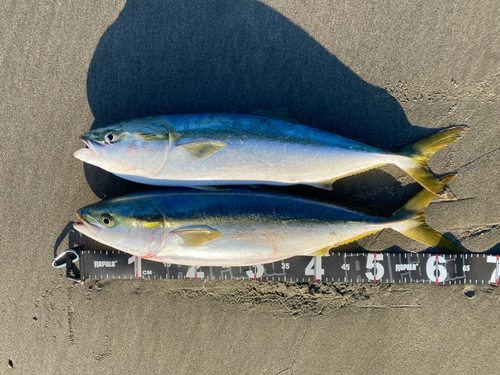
238,226
266,147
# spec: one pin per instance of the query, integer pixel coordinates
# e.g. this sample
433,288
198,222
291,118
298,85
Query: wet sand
385,73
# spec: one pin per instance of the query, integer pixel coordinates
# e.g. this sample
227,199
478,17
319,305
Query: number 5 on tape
378,269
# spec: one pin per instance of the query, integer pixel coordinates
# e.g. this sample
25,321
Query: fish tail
410,221
421,151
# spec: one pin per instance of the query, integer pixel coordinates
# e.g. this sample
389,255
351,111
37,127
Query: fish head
134,226
137,147
100,223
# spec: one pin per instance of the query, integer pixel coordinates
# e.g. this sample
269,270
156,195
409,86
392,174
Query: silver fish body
231,228
229,149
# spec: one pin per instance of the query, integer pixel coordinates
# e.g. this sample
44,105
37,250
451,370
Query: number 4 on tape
315,269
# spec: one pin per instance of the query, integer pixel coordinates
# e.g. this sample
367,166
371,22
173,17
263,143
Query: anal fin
326,185
321,252
209,188
352,239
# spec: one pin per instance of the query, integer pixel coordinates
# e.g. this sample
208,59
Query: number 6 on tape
435,270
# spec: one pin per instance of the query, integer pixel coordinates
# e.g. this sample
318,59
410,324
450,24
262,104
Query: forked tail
411,221
420,153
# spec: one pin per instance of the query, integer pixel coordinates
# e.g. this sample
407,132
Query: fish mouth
86,228
93,148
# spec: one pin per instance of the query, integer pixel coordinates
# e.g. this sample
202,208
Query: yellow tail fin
411,221
420,153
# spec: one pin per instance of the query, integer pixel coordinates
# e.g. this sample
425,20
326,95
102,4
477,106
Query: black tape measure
442,269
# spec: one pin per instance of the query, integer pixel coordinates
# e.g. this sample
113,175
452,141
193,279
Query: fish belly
269,162
260,245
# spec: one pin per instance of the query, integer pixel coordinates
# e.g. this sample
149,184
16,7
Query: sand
387,73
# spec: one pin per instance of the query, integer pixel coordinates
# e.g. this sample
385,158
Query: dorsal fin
277,114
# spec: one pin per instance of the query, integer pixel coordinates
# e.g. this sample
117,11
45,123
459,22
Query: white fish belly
259,245
282,163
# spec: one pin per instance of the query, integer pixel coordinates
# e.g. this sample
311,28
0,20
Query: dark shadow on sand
76,239
494,250
165,57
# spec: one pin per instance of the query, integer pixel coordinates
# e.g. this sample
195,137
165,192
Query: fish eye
107,221
110,137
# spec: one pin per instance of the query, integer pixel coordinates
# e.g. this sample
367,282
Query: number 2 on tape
194,273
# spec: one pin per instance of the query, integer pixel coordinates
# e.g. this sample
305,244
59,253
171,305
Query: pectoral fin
202,149
320,253
196,236
276,113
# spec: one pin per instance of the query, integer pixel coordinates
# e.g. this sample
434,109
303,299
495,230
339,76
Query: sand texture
387,73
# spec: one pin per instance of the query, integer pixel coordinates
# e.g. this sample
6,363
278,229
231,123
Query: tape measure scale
441,269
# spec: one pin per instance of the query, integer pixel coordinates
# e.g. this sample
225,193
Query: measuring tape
442,269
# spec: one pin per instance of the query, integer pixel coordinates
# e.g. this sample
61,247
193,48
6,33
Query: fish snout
85,227
95,148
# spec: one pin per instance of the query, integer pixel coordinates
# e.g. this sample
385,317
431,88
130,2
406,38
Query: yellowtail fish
267,147
240,227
